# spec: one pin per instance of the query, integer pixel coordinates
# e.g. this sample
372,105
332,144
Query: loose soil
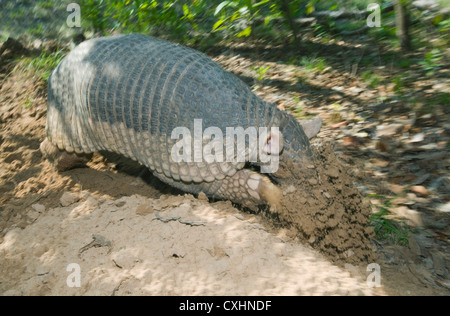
324,208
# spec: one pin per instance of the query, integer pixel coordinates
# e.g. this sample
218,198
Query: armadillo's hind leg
61,159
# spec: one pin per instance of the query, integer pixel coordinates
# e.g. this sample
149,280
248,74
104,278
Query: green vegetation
313,63
38,18
43,65
38,31
46,4
432,61
28,103
399,84
389,230
429,103
182,20
299,111
444,26
17,14
298,108
203,22
260,71
370,78
349,4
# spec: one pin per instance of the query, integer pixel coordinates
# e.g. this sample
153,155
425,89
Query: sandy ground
226,252
129,234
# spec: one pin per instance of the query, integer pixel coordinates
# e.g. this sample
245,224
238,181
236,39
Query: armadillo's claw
249,187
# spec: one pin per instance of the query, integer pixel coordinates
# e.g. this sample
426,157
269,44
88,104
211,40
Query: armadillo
127,93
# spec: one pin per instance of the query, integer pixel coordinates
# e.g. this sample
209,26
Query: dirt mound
323,207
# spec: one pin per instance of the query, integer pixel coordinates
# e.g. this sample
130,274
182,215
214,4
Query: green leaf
243,10
186,10
245,32
220,28
217,24
260,3
235,16
438,19
334,7
309,8
221,6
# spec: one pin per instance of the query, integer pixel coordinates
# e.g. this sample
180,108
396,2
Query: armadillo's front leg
245,187
248,187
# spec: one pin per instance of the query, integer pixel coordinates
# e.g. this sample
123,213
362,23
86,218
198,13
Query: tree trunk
402,24
284,5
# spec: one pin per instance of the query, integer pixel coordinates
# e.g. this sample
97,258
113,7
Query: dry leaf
395,188
337,125
380,162
407,178
352,141
419,189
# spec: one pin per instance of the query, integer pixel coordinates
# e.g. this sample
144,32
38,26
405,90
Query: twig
119,285
178,219
191,223
355,66
166,220
97,241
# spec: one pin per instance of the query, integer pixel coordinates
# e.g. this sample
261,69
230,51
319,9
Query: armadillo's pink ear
274,143
311,127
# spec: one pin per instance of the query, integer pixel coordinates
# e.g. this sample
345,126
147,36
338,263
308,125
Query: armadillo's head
290,145
289,150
